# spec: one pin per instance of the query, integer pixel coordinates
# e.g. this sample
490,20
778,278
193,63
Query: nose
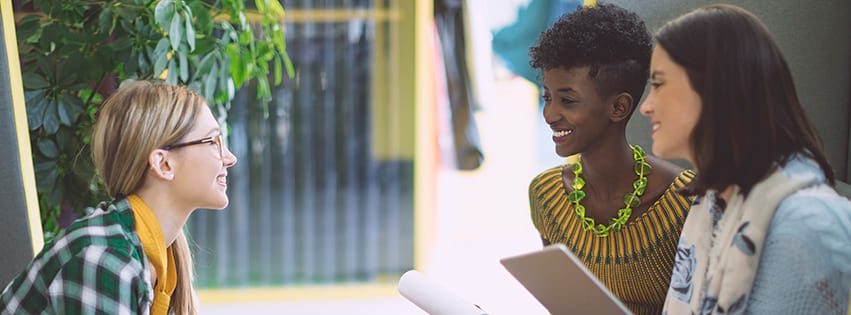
229,158
646,107
550,115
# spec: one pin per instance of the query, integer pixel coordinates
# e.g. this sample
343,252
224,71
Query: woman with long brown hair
768,234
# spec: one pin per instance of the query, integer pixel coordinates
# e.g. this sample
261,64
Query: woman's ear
161,165
621,107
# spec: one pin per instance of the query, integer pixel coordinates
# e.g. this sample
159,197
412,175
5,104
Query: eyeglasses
217,140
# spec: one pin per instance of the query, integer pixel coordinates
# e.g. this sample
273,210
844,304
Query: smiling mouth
222,180
562,133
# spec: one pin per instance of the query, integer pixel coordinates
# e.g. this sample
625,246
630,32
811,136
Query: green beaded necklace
630,200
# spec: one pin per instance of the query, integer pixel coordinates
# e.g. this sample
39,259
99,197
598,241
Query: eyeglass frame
217,139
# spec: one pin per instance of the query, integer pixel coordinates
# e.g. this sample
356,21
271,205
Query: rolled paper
434,298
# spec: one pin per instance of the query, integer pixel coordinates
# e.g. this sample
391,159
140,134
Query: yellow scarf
161,257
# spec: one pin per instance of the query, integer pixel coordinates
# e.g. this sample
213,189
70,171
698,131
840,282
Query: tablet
562,283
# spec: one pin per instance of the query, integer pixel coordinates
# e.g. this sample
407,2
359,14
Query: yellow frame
22,130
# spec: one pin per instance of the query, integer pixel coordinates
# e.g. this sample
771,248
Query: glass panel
323,191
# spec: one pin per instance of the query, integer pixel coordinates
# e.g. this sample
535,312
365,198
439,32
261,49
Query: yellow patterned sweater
635,263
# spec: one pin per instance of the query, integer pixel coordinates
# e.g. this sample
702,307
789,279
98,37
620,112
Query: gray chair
843,189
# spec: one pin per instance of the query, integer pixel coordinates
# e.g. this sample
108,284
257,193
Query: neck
607,164
727,193
170,218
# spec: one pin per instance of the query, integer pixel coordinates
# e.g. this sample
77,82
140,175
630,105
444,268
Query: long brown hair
751,118
139,118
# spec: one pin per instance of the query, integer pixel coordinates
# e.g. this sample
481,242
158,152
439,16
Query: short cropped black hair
614,42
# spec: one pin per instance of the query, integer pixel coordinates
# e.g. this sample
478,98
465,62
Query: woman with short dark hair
618,209
767,234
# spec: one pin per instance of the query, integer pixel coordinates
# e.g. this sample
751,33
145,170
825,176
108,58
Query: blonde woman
160,153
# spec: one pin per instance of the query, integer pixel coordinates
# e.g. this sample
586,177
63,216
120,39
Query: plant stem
94,90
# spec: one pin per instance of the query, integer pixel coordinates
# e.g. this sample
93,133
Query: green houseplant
75,52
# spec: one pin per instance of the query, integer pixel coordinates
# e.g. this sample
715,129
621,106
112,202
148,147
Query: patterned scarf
720,247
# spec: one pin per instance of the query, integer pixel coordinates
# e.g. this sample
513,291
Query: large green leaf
238,68
276,8
175,32
171,78
45,174
164,13
190,30
69,106
263,90
128,13
48,147
55,194
289,64
278,38
121,44
161,57
142,59
277,71
184,63
51,117
27,27
210,82
203,20
36,104
205,65
105,21
34,81
51,34
65,139
130,64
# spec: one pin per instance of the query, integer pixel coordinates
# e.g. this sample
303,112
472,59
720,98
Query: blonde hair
137,119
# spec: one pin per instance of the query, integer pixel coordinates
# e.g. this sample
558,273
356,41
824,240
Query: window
324,189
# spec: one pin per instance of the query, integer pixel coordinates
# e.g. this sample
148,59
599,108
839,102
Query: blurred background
404,138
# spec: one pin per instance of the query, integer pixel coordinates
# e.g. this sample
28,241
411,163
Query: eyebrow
655,73
563,90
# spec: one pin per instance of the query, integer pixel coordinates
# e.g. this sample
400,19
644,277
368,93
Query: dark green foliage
75,52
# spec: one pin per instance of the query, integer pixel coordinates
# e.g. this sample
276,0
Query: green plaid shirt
96,267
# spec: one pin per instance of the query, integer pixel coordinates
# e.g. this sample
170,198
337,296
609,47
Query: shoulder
682,180
663,170
811,205
110,229
62,281
116,214
110,264
102,279
547,178
818,218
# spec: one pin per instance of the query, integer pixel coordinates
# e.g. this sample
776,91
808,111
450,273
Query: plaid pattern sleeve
95,268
